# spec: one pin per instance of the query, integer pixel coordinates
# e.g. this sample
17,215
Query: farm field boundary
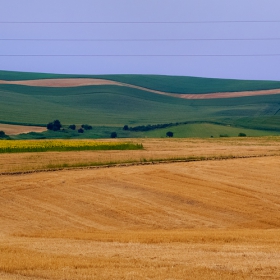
96,165
154,151
98,82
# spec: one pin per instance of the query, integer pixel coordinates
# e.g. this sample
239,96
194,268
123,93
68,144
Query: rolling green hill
114,106
174,84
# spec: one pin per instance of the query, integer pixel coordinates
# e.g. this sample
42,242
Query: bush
125,127
241,134
169,134
114,135
72,126
150,127
2,134
80,130
55,125
86,127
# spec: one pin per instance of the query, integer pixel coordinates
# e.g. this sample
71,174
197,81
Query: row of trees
149,127
57,126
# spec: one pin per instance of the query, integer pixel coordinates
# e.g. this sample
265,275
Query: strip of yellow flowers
17,146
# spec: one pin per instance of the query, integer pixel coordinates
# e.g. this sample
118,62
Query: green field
175,84
108,108
206,130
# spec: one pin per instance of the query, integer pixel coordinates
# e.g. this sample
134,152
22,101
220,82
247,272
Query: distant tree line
149,127
56,126
164,125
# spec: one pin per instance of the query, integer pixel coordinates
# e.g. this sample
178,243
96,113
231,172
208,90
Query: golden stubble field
214,219
17,129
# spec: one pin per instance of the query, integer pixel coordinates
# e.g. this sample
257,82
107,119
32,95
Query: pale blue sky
241,67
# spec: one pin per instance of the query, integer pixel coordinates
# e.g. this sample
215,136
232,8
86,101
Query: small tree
86,127
2,134
50,126
55,125
114,135
80,130
125,127
169,134
72,126
241,134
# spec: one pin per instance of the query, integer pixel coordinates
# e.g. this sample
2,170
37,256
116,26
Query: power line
139,40
139,55
140,22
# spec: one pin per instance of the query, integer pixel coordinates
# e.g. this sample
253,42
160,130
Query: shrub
86,127
55,125
125,127
169,134
241,134
150,127
114,135
2,134
72,126
80,130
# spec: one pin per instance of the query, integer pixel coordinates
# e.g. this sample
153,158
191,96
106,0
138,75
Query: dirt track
87,82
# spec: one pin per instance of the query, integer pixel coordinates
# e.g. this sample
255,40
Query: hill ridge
77,82
165,83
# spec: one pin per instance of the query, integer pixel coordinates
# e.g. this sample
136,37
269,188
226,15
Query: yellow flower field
21,146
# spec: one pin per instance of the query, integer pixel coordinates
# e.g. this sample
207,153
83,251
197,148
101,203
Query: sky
205,38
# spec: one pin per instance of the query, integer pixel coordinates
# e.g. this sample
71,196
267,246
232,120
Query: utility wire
139,55
140,22
139,40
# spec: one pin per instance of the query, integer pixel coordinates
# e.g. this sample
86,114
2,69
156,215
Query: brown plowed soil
61,82
93,82
18,129
195,220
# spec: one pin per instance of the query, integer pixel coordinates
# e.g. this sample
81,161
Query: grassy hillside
206,130
194,130
114,106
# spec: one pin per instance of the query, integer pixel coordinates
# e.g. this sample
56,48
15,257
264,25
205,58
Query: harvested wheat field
154,150
208,219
